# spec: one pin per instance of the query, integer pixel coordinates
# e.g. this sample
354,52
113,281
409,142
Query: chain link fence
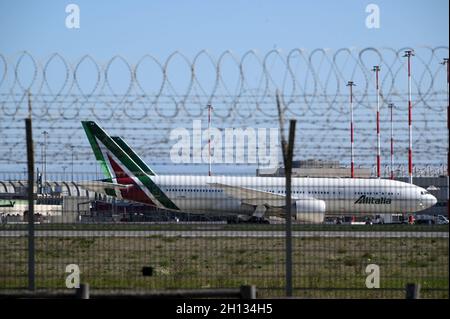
119,226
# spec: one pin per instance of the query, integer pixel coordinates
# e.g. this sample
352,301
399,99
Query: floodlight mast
409,54
350,84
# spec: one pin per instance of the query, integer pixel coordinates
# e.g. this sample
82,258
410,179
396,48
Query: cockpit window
424,193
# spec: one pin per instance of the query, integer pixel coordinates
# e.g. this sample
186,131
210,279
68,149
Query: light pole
376,69
44,169
409,54
391,107
209,138
72,147
445,62
42,159
352,168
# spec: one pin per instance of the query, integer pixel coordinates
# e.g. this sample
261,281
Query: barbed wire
145,99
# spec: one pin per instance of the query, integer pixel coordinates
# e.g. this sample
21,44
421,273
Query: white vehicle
390,219
128,177
442,220
329,221
431,219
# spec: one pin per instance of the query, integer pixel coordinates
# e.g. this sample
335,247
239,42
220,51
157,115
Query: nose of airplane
430,200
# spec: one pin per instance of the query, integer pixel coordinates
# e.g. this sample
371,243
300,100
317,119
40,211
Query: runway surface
224,233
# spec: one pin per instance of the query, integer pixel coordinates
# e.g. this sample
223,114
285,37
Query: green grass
323,267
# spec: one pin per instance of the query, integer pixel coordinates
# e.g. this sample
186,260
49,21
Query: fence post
248,292
412,291
30,164
288,150
82,292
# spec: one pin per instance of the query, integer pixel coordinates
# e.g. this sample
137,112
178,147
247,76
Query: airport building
67,202
54,201
315,168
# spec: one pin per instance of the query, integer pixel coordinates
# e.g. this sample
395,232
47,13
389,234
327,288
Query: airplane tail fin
124,167
133,155
99,155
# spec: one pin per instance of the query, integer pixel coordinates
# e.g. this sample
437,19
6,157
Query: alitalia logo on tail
121,165
363,199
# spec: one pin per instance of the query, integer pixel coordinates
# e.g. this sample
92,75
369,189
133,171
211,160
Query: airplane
129,178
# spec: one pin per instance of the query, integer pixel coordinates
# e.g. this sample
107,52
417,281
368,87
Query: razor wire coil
155,95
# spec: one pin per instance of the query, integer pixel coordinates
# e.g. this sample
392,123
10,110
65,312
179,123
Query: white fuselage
341,195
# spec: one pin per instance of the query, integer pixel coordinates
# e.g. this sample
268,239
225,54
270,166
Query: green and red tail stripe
133,155
125,167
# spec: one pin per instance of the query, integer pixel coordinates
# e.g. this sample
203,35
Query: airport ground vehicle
431,220
329,221
391,219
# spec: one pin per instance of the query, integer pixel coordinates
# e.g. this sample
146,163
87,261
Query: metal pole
408,54
352,164
42,159
412,291
72,147
445,62
448,140
288,150
288,170
248,292
391,107
30,161
82,292
376,68
44,173
209,138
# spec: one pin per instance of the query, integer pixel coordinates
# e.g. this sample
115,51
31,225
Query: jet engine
310,210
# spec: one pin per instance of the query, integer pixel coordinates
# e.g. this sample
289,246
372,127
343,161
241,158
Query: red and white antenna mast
209,138
409,54
391,107
445,62
352,164
376,69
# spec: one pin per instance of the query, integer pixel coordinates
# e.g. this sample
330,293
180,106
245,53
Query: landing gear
257,216
258,220
259,211
233,220
247,220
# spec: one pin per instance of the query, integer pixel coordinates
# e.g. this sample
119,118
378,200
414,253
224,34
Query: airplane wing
253,196
102,187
